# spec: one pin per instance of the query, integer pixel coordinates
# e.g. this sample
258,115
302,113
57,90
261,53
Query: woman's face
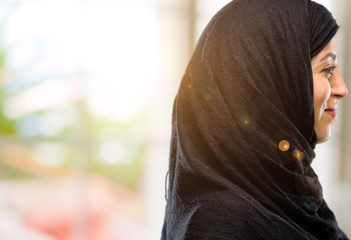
328,87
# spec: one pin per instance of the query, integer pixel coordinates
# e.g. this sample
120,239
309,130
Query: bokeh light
284,145
298,154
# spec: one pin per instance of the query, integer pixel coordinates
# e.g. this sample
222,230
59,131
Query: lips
331,111
333,108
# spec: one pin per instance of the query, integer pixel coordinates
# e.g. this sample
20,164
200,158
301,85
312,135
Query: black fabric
247,87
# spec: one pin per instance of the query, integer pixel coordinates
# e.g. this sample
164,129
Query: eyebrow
329,55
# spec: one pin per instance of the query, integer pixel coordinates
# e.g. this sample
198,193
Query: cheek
321,93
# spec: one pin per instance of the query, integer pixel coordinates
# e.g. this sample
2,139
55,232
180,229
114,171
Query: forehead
328,53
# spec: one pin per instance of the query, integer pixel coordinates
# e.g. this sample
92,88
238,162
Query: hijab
243,128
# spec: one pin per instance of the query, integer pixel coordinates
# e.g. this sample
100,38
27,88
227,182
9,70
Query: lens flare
207,97
298,154
284,145
246,122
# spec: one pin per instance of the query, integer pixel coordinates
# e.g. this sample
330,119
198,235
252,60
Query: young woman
260,91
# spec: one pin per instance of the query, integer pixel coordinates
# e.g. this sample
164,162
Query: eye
329,71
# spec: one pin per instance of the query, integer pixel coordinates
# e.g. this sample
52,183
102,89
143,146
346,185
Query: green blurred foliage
87,130
10,172
7,126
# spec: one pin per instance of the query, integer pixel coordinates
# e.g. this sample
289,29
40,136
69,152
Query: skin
328,88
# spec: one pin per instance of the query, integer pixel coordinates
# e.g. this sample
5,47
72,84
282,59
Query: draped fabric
243,128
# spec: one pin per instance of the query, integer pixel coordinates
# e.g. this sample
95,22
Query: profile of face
328,88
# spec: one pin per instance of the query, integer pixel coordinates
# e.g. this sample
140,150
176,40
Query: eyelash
329,70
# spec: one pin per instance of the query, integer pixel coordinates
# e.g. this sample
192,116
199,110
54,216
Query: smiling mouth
333,108
331,111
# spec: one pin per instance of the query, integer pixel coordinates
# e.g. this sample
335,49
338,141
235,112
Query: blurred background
86,93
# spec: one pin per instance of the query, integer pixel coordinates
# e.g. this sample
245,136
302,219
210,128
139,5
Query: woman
259,92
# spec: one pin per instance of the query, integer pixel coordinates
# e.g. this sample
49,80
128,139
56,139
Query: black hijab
247,87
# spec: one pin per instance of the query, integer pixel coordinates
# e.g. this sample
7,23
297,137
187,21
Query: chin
323,136
322,140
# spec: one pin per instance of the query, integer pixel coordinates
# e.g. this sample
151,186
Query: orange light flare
284,145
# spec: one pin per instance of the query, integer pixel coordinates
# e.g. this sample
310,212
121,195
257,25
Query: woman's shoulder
224,217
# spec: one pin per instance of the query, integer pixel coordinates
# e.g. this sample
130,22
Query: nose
339,89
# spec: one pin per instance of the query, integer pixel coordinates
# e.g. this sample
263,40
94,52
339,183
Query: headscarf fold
243,128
